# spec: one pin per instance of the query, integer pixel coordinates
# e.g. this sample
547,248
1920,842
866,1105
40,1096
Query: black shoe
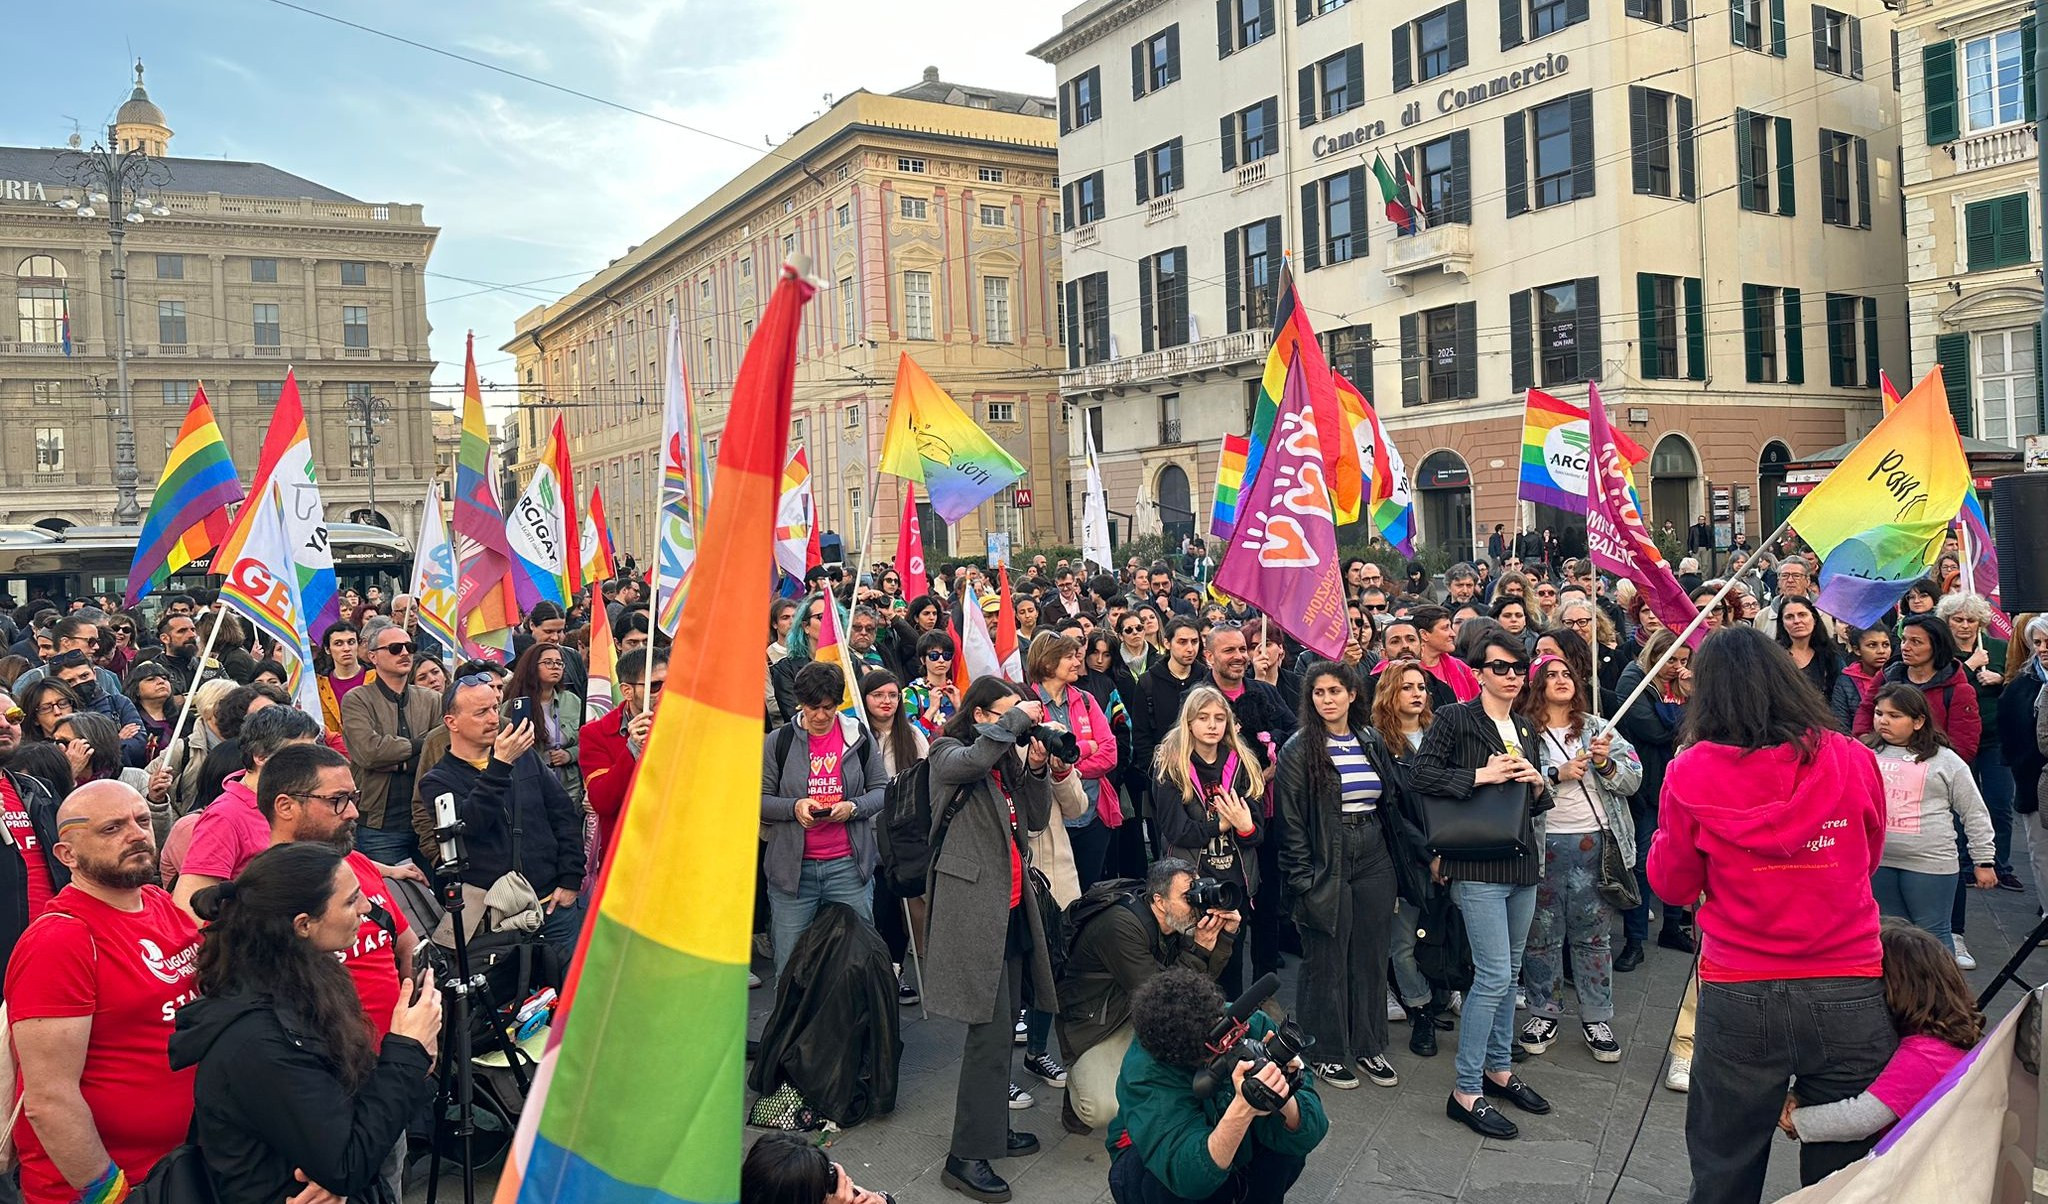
1070,1120
1421,1033
1677,938
1630,957
975,1179
1023,1145
753,1049
1518,1093
1482,1118
2007,880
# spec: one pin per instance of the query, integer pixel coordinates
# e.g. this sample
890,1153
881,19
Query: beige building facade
929,216
1696,210
251,270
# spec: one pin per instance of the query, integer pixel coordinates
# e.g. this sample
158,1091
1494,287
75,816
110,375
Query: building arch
1443,481
1173,498
1674,481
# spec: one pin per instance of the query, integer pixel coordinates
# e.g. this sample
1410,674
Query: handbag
1488,826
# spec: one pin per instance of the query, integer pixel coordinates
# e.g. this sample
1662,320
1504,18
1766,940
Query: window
1844,180
1333,218
268,332
914,166
788,206
1249,133
176,392
1086,320
1773,347
170,267
1665,333
1654,11
1763,154
1443,185
917,305
269,393
1161,170
1082,201
2007,385
853,508
911,208
1546,16
46,392
1837,43
704,289
1349,350
841,173
1081,100
788,245
355,273
49,449
1852,341
990,175
1155,62
746,267
1431,45
995,308
1550,153
1554,334
1251,264
1657,120
40,300
1332,86
1002,411
263,271
994,215
843,215
1163,299
1538,17
850,418
849,323
355,326
1242,23
359,448
1439,354
1747,20
170,323
799,430
1994,80
711,361
1996,233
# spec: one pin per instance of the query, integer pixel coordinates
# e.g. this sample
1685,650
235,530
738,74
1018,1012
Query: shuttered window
1549,153
1671,327
1661,149
1332,86
1155,62
1844,179
1773,345
1996,233
1333,219
1554,334
1440,354
1431,45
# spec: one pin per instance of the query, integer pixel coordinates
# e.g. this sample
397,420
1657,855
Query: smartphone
820,810
519,712
419,977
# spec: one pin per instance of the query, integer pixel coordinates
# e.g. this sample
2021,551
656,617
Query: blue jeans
1413,988
387,846
1569,910
564,927
1994,782
1922,900
834,881
1497,927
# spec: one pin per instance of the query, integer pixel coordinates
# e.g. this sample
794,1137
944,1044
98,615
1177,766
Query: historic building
1698,210
248,269
930,217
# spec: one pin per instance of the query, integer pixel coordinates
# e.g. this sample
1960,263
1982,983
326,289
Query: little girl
1924,782
1937,1021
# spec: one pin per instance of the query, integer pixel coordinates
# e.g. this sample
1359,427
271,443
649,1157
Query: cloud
522,56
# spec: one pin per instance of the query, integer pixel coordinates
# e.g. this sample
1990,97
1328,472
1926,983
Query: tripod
2011,970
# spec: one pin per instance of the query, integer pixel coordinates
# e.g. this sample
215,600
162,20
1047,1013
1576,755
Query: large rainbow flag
1980,553
287,460
486,610
1389,501
932,441
638,1096
188,513
1291,334
1229,482
1555,442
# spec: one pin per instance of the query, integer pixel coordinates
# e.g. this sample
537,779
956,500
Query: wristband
110,1188
1247,833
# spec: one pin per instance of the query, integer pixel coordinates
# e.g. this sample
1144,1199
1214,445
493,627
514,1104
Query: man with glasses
29,876
383,722
78,633
608,747
862,628
230,831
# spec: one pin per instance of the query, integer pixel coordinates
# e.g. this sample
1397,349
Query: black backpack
1108,893
905,838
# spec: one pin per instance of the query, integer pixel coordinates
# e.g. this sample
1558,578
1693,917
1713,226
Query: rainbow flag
433,573
797,549
832,650
599,564
1229,480
542,529
1878,519
486,608
1291,334
932,441
638,1096
251,584
1555,442
682,514
287,460
1389,501
188,513
1979,550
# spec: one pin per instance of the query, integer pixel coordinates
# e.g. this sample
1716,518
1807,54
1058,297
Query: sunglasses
401,646
1132,630
14,715
123,629
475,679
1505,668
1369,608
938,656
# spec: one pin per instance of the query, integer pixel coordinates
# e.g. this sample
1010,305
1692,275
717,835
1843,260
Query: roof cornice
1092,28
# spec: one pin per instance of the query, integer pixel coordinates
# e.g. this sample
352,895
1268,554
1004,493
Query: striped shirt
1358,786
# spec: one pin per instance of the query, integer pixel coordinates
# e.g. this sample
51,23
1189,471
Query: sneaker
1521,1000
1679,1077
1458,1002
1395,1012
1337,1075
1023,1031
1537,1034
1963,958
1380,1071
2007,880
1020,1099
1047,1068
907,995
1600,1039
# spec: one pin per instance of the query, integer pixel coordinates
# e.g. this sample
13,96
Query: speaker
2019,529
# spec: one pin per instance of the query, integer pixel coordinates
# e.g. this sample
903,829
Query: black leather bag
1492,825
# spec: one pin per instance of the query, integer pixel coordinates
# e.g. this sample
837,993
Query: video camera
1227,1040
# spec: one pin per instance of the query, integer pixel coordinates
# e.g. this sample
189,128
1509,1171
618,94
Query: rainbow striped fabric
188,513
1555,438
682,498
1229,480
1389,502
485,607
1291,334
638,1096
932,441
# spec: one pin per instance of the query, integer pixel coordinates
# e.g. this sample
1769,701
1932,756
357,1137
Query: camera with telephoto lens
1059,742
1229,1041
1214,894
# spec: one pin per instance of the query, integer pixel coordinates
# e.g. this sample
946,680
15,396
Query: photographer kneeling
1116,952
1172,1144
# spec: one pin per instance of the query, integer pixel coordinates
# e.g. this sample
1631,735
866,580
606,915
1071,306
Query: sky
533,190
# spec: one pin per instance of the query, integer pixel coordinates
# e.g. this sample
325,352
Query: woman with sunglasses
797,648
1653,725
556,712
149,688
934,697
119,641
1544,598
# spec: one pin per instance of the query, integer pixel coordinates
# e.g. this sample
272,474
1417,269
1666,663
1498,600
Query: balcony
1993,148
1188,359
1159,208
1250,176
1169,431
1448,247
1085,236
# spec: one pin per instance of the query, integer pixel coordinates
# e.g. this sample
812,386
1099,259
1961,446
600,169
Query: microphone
1259,992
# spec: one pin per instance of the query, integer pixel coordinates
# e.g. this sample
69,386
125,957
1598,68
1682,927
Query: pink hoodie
1784,852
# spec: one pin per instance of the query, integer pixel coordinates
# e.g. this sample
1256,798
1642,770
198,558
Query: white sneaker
1679,1077
1395,1012
1458,1002
1020,1099
1963,958
753,980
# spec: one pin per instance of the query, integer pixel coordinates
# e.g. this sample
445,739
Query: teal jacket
1169,1128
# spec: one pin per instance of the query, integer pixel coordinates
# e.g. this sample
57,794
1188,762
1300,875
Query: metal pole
2041,175
127,511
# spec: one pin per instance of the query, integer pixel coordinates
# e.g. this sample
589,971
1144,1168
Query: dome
139,110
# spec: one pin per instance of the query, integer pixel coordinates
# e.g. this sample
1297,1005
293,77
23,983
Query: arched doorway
58,525
1770,483
1176,511
1445,483
1674,483
369,518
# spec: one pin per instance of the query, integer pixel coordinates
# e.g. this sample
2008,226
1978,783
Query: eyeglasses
938,656
400,646
1505,668
1582,621
13,715
56,706
340,800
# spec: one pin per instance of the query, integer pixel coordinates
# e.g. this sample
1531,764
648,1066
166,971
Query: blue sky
529,186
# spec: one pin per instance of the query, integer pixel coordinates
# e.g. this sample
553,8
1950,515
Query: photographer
1170,1144
1116,952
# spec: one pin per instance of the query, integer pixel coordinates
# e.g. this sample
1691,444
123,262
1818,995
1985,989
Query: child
1937,1021
1925,783
1872,649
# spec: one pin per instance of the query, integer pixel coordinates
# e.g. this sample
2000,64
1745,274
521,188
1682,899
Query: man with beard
29,876
92,992
180,655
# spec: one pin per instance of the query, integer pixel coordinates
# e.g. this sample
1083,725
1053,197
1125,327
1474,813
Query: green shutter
2014,241
1787,191
1938,91
1980,239
1646,323
1695,331
2027,66
1870,364
1795,339
1778,28
1952,352
1745,165
1754,331
1839,329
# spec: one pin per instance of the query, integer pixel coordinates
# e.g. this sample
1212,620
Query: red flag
910,546
1006,628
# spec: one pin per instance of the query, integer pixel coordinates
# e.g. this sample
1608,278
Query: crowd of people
1167,791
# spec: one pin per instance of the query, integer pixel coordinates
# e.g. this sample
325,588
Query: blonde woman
1205,778
185,754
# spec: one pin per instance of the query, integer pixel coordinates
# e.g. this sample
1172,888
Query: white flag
433,574
1094,510
978,648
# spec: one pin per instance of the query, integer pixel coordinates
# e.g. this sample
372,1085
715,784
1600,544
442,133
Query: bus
85,562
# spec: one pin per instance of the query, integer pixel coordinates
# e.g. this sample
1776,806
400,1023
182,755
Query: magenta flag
1282,556
1615,537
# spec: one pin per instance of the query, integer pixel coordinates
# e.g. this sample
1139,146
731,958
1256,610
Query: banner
910,546
1616,539
1095,545
541,530
434,580
796,519
1390,502
1555,452
188,511
270,599
287,461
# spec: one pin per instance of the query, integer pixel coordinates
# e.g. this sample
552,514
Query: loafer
1630,957
1518,1093
1482,1118
2007,880
1020,1145
975,1179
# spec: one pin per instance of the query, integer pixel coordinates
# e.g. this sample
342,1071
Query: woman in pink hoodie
1777,819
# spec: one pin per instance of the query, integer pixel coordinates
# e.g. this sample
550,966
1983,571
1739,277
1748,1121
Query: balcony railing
1251,175
1994,148
1169,430
1159,208
1085,236
1448,247
1205,355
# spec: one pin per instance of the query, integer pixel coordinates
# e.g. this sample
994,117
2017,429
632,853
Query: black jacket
2017,739
833,1033
1187,827
1656,744
549,825
1114,954
1458,742
782,679
267,1100
1157,707
14,869
1261,709
1310,831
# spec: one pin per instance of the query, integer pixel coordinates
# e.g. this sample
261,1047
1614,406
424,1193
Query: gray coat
862,781
969,885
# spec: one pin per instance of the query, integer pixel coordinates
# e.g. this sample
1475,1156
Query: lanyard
1222,784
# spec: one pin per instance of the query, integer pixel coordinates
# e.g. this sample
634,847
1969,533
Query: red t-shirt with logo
130,972
15,815
373,960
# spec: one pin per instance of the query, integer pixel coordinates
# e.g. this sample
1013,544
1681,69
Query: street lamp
117,187
372,412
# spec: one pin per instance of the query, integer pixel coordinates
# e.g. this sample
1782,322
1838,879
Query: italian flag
1398,191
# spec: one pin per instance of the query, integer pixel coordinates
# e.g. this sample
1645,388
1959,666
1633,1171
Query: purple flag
1282,557
1615,538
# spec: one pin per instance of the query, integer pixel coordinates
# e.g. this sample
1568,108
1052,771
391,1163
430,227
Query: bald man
92,989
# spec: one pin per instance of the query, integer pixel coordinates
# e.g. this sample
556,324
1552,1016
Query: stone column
217,262
311,322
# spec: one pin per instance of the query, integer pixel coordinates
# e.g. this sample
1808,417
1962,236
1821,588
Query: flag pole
653,591
199,676
1969,559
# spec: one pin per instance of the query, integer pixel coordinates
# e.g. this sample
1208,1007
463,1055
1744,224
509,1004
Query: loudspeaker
2019,528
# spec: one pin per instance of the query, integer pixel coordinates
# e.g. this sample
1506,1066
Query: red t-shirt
827,784
373,960
130,972
32,857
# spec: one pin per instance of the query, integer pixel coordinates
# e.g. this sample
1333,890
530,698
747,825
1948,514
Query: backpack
1108,893
905,837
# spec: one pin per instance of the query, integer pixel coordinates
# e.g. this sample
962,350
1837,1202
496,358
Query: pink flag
910,546
1282,556
1615,538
